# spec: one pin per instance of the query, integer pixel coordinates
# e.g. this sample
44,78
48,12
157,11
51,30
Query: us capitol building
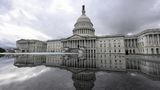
145,42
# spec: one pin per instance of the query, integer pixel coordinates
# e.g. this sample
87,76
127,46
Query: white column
147,40
90,43
90,46
79,42
128,42
158,39
94,46
75,43
93,43
133,42
87,43
67,43
84,42
152,40
71,44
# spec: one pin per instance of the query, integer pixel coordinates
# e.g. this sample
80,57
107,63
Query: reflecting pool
74,72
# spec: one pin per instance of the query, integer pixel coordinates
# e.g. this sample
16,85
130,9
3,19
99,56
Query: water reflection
82,75
147,65
114,62
84,68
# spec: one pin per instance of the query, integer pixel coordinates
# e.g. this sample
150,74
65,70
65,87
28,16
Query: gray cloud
56,18
5,5
126,16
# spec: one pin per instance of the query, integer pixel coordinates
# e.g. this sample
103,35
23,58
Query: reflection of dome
84,25
84,80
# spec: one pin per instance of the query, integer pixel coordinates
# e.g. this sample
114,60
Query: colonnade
131,43
84,31
153,39
80,43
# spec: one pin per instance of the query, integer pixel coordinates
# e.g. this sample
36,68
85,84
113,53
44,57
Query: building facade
110,44
149,41
146,42
54,46
25,45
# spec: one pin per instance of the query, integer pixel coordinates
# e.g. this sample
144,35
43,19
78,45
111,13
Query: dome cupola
83,26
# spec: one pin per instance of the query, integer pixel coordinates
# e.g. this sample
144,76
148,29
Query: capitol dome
83,26
83,18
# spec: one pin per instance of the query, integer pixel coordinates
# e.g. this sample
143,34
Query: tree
2,50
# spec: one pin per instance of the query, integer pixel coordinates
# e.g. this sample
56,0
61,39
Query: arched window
157,50
130,51
133,51
152,51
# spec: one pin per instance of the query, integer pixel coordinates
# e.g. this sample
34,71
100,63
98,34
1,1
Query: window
100,45
109,45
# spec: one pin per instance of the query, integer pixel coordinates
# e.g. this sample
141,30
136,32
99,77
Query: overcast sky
52,19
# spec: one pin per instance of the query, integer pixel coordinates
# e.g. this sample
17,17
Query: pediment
76,37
